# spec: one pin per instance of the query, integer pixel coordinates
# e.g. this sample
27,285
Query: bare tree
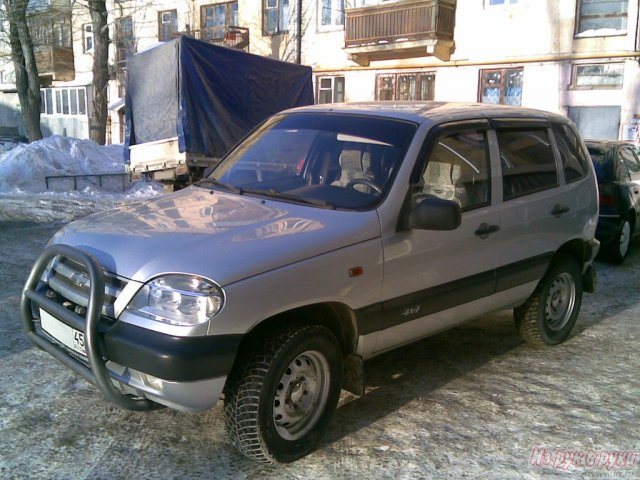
26,70
98,11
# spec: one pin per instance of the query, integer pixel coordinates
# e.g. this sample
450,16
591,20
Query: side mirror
433,213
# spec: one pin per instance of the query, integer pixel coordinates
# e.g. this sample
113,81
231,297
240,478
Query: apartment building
576,57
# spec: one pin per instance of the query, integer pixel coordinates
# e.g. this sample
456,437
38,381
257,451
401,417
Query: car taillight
607,200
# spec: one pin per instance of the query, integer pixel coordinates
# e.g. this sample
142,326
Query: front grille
70,281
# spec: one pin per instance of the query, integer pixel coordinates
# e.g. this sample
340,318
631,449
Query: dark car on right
617,165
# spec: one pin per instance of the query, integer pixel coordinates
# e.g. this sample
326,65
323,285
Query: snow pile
24,195
24,168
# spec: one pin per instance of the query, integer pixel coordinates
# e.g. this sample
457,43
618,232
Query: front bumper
132,366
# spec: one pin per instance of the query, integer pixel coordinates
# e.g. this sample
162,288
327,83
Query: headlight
178,300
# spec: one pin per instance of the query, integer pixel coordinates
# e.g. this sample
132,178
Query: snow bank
24,195
24,168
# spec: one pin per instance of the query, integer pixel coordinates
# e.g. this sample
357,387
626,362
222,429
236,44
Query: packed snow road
474,402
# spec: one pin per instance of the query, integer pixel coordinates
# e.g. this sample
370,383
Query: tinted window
528,163
458,169
574,162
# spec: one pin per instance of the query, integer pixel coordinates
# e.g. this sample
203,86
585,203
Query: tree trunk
98,121
24,63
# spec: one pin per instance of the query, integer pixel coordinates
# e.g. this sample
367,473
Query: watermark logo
601,460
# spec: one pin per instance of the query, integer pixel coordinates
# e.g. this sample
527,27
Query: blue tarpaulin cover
207,96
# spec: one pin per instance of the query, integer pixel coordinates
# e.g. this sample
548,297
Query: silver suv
328,236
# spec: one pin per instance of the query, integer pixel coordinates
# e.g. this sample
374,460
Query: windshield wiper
219,184
286,196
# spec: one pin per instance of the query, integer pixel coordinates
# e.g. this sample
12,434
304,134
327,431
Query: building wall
538,36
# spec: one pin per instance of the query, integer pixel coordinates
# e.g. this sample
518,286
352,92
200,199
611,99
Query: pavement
474,402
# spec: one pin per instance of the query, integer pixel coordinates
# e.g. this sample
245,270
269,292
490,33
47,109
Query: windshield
326,160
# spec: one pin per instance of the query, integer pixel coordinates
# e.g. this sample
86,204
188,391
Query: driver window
458,169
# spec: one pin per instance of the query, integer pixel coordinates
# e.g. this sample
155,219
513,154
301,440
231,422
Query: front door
428,273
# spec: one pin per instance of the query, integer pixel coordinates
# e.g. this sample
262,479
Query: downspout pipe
299,31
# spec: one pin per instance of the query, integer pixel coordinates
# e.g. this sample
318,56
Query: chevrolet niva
329,235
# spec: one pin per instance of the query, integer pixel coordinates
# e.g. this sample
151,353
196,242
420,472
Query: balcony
51,34
224,36
405,29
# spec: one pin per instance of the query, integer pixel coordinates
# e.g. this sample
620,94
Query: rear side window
574,161
528,163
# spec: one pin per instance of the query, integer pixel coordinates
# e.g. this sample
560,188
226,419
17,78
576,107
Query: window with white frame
405,86
330,89
167,24
501,2
87,37
276,16
598,76
602,17
330,14
66,101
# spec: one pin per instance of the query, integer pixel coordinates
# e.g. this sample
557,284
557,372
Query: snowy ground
25,195
474,402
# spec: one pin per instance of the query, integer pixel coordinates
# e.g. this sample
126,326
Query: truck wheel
278,404
549,314
618,249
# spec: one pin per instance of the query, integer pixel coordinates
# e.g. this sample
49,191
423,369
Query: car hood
224,237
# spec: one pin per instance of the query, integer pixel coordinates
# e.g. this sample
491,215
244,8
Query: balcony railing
224,36
398,26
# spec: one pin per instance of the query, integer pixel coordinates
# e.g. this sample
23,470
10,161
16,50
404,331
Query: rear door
539,210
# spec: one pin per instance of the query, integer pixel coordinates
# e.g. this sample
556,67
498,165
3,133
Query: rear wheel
280,401
619,248
549,314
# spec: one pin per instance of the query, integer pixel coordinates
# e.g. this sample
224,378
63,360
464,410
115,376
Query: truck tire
280,401
549,314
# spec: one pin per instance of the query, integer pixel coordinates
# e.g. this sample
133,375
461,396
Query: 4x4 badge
410,311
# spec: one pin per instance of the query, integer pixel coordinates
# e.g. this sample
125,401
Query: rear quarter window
528,162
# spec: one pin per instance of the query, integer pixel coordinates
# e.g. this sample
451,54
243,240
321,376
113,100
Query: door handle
485,230
559,210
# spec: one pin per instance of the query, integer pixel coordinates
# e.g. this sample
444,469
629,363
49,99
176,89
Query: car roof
434,112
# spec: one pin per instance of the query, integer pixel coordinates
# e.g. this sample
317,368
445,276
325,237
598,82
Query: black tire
280,401
619,248
549,314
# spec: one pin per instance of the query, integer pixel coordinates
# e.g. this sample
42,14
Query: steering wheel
364,181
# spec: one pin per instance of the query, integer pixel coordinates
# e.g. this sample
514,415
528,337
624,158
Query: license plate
70,337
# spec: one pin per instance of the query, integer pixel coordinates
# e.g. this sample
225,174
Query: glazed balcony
405,29
51,34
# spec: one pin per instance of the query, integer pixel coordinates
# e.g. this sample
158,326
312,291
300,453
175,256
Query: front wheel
549,314
280,401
